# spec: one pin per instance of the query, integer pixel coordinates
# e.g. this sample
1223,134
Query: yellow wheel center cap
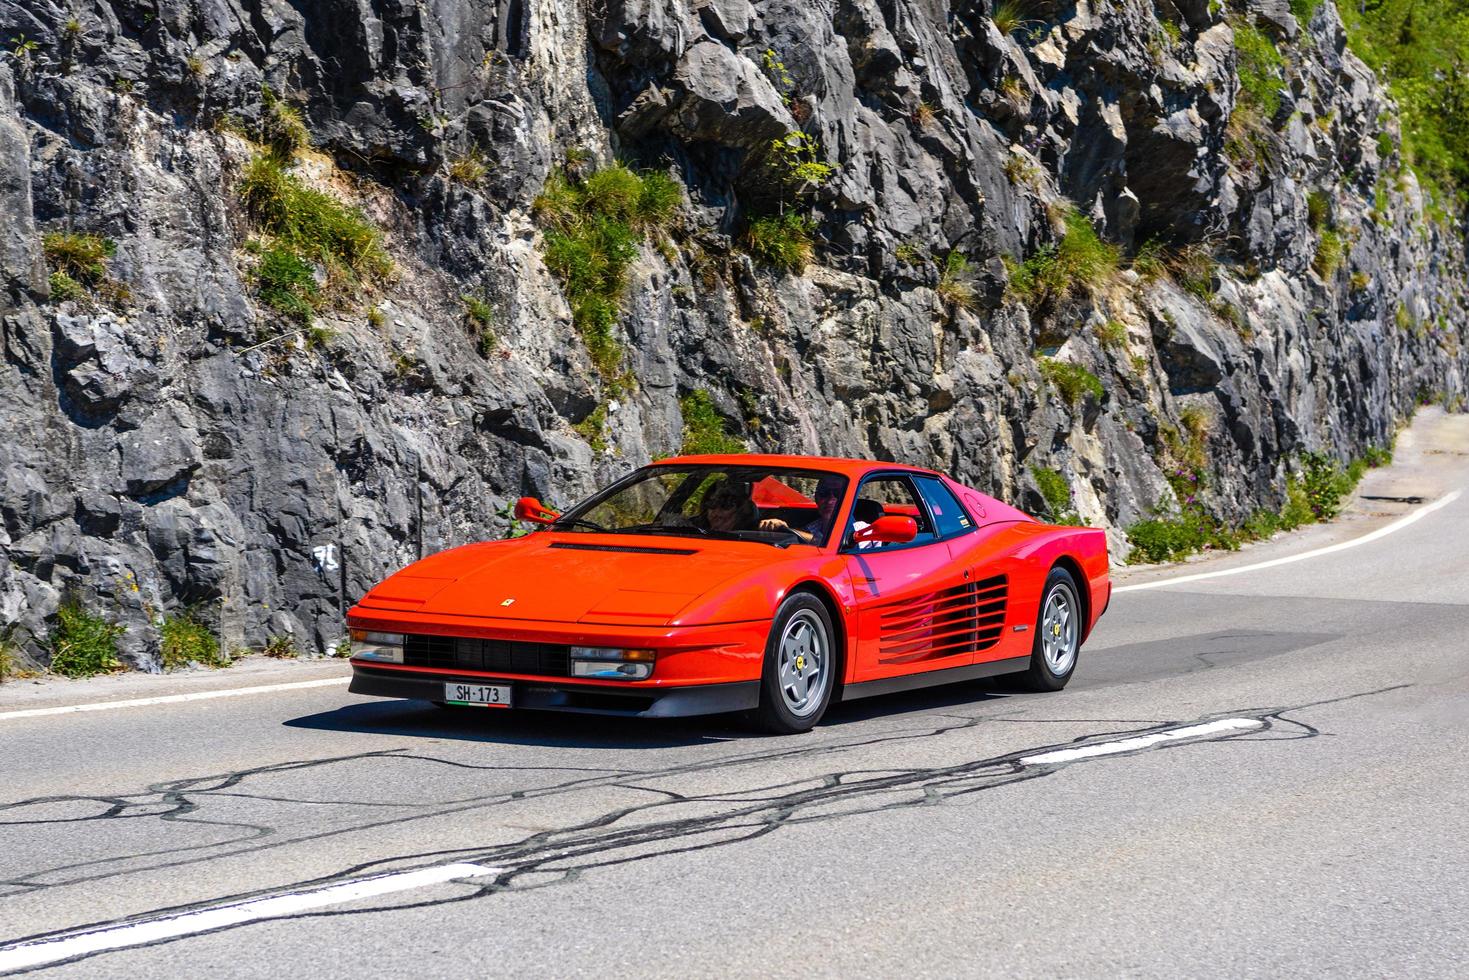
801,663
1056,630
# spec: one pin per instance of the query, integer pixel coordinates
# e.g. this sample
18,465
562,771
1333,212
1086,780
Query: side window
891,496
947,514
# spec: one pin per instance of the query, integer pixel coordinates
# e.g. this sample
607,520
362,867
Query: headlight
387,647
612,663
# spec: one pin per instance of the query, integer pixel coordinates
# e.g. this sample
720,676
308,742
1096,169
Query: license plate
490,695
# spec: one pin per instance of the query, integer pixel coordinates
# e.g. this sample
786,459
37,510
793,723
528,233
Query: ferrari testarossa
774,585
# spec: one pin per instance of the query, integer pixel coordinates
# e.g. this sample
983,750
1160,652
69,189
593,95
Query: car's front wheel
799,673
1057,635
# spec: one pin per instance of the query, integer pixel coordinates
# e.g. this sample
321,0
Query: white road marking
28,955
233,692
1396,525
1142,741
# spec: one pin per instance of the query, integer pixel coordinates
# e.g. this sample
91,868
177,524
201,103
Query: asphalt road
1325,832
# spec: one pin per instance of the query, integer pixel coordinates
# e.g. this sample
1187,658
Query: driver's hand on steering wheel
776,524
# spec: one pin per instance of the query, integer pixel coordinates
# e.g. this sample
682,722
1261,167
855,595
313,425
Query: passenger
828,495
728,506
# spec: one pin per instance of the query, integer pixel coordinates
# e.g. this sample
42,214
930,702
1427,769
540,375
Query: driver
828,494
728,506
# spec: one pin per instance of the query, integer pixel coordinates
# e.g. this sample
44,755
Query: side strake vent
963,619
630,549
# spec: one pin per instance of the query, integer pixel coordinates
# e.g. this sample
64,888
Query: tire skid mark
183,797
639,832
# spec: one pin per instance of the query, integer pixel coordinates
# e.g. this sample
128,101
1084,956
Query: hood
570,578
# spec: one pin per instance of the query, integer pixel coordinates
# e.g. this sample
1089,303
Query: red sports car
769,584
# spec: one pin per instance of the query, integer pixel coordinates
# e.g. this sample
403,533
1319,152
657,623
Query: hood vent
626,549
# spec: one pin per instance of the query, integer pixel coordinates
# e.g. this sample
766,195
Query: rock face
179,446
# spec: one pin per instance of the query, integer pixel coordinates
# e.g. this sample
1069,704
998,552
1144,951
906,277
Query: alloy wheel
1058,631
803,663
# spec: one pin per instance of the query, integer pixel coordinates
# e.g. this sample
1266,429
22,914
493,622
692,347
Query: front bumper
554,695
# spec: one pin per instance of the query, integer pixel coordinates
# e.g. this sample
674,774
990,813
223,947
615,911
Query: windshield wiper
694,529
581,522
664,529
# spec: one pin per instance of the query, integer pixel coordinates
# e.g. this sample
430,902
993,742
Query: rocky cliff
1110,241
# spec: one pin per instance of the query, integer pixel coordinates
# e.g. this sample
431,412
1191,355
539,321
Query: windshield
754,503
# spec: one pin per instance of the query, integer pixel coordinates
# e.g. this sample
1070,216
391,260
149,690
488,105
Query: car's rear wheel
799,673
1057,643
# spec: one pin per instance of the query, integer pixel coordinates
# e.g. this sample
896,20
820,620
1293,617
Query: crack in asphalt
650,829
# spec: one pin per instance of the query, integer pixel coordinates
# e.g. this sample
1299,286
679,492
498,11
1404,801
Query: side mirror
531,509
888,530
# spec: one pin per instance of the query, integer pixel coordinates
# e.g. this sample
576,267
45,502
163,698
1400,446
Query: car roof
834,464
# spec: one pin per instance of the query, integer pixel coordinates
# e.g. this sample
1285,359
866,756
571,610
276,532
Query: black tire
1043,674
803,622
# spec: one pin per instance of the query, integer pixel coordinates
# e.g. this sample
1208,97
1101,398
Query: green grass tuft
287,284
1112,333
79,255
593,228
281,647
1376,456
1304,10
956,282
593,428
478,311
186,640
78,263
1080,260
1259,67
703,427
658,201
83,644
481,317
1056,492
1073,381
1019,170
1330,251
1249,140
469,168
1151,260
612,192
1169,538
282,126
1010,15
306,229
559,204
63,287
1318,209
312,223
1325,483
784,241
1194,268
